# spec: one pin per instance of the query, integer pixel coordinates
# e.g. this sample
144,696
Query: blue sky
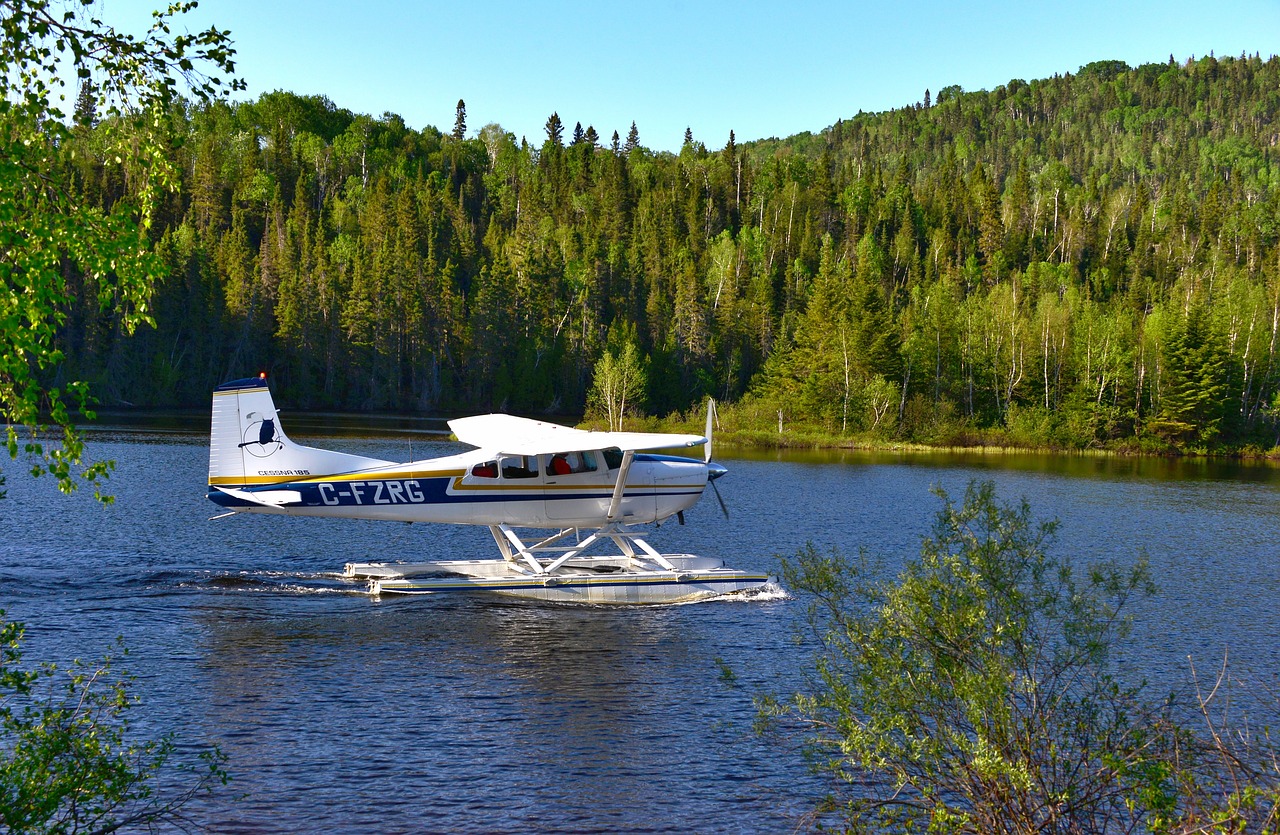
758,68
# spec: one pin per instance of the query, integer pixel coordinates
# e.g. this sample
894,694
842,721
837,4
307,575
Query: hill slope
1084,260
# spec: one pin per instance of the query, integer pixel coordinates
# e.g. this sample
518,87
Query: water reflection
1073,465
465,700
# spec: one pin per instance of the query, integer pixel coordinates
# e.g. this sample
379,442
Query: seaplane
582,493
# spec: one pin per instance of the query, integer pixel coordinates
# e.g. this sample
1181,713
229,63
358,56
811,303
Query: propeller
714,471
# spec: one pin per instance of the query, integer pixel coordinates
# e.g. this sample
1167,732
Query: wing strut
621,485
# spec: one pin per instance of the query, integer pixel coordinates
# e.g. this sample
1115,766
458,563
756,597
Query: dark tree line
1084,260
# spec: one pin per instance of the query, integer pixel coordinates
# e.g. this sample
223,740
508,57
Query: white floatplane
591,488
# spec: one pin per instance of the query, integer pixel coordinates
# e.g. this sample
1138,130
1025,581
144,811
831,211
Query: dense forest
1086,260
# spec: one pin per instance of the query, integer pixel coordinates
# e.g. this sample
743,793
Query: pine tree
633,139
555,130
86,114
460,121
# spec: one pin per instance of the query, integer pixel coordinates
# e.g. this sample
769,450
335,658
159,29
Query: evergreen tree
555,130
86,113
1193,377
460,122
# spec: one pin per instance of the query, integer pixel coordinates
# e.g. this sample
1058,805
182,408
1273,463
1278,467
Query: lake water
342,713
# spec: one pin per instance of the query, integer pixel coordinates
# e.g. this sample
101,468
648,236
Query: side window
567,463
520,466
613,458
488,469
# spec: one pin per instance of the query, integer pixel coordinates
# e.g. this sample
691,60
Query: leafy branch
69,762
46,231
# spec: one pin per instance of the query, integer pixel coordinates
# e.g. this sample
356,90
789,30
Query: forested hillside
1085,260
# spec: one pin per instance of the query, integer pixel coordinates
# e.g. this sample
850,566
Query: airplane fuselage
480,488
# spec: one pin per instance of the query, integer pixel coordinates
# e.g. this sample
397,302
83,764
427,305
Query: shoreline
346,423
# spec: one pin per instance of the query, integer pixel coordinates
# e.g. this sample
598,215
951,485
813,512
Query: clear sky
758,68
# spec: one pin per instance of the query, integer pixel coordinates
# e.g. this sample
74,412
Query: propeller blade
723,507
711,415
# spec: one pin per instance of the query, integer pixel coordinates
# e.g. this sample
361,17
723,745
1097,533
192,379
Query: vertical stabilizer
248,447
244,425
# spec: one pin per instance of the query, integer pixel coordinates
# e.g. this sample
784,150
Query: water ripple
347,713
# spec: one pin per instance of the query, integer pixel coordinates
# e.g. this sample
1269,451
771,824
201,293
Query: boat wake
767,593
269,582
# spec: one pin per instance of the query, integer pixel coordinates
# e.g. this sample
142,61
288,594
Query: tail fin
248,447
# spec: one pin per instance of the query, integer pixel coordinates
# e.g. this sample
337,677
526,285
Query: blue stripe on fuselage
413,491
678,459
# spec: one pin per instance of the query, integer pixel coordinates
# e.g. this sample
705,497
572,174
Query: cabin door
578,487
639,503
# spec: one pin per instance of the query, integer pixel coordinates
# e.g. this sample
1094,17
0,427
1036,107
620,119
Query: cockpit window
520,466
613,458
488,469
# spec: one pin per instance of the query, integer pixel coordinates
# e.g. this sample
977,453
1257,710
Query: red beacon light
262,375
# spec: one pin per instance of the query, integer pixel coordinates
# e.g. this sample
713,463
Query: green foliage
69,762
1089,260
618,384
56,245
973,694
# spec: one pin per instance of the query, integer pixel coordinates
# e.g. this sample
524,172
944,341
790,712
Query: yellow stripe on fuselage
316,479
381,475
457,486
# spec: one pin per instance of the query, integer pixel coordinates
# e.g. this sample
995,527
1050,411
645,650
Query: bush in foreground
973,694
68,760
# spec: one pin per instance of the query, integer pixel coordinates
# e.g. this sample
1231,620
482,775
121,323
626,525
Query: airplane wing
522,436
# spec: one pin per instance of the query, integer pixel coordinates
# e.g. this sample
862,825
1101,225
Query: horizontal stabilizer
274,498
522,436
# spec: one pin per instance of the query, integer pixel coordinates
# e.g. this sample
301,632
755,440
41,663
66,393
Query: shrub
68,760
973,694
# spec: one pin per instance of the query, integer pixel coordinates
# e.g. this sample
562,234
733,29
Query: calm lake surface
344,713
